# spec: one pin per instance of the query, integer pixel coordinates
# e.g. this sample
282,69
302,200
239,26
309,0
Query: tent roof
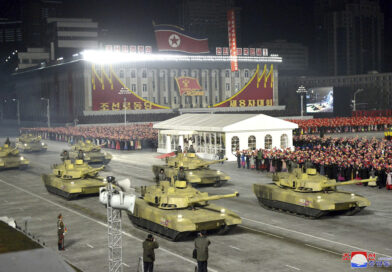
225,123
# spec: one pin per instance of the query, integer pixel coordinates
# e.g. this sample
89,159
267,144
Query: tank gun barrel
93,171
353,181
214,197
212,162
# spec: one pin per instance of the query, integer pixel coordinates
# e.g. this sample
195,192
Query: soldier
80,155
191,149
181,174
178,150
7,141
64,155
201,246
61,229
161,175
148,253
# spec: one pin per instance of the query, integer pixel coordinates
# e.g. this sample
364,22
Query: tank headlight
84,154
22,158
72,182
190,173
42,144
179,217
25,144
318,198
352,195
223,211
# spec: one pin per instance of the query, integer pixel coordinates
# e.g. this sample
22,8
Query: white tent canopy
211,133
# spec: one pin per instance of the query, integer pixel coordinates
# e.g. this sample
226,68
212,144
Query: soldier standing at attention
61,229
148,253
201,245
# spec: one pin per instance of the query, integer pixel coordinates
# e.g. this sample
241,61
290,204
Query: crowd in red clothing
338,158
344,124
133,136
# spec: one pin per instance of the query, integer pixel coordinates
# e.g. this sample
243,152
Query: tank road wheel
354,211
263,205
225,229
218,183
23,167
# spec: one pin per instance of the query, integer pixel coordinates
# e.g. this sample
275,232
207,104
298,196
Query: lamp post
47,109
17,110
354,101
301,90
125,110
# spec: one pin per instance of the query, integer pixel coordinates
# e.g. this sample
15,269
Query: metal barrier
140,267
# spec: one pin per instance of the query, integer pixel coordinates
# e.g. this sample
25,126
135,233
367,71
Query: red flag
171,154
187,85
172,38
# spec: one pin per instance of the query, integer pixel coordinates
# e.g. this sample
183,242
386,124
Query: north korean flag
175,39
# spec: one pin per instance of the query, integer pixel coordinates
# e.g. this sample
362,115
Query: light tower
301,90
114,231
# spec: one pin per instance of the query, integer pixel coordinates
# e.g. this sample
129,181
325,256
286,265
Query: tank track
59,192
167,233
292,209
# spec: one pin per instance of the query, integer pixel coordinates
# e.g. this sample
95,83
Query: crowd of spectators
338,158
129,137
343,124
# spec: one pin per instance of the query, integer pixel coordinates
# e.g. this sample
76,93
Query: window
227,86
144,87
165,100
237,74
184,73
196,99
133,74
252,142
237,87
175,100
268,142
216,83
153,99
144,74
283,141
235,144
121,73
145,98
133,88
206,99
246,73
216,99
227,73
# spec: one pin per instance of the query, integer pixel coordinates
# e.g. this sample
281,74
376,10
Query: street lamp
301,90
354,101
47,109
17,110
125,110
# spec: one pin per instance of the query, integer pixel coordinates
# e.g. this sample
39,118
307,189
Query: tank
11,158
197,170
174,209
309,194
30,143
71,180
92,153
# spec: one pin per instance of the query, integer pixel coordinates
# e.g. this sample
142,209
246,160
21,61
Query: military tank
174,209
11,158
91,153
309,194
71,180
196,170
30,143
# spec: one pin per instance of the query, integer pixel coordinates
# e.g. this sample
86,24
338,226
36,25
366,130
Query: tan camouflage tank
11,158
30,143
92,153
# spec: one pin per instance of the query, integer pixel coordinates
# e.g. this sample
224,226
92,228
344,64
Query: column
168,144
181,141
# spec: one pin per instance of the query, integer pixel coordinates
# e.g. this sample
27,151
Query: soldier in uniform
181,174
149,245
64,155
61,229
161,175
7,141
201,245
80,155
191,149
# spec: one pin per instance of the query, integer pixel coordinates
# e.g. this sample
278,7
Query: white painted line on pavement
90,246
326,250
330,234
235,248
6,201
274,235
312,236
98,222
125,264
293,267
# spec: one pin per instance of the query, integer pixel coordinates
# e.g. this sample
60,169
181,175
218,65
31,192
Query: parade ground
266,241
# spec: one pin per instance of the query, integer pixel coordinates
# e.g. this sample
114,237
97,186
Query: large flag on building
189,86
175,39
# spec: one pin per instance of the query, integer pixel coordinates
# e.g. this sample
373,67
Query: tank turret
197,170
178,195
91,153
309,194
31,143
71,180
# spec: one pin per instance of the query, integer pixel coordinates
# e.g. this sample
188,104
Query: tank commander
64,155
80,155
162,175
191,149
181,174
149,245
7,141
178,150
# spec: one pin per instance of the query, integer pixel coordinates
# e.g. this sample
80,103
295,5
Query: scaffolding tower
114,234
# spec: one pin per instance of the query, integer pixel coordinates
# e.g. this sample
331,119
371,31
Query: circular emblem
174,40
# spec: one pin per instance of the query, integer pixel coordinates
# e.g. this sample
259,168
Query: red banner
109,93
232,39
172,38
258,92
189,86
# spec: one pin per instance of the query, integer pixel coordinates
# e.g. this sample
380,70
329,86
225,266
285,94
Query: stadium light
354,100
110,57
17,109
302,90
